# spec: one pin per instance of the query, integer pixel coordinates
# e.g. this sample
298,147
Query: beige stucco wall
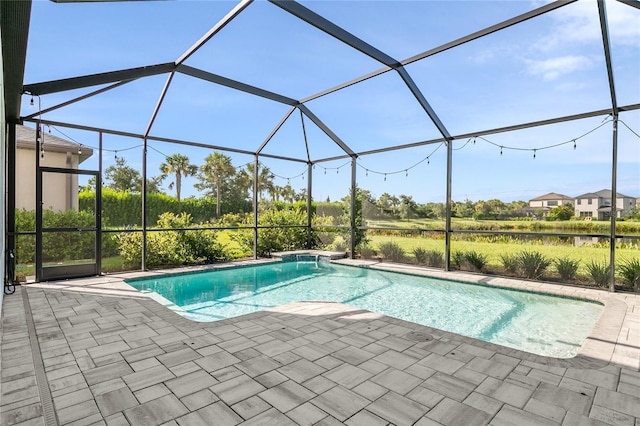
59,191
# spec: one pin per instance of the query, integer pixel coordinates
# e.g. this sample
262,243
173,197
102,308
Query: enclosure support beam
447,225
256,165
614,145
354,166
143,196
309,200
11,189
98,208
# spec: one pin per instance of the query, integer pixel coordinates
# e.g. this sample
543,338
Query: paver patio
109,355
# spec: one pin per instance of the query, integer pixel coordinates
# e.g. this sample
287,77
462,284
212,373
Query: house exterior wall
59,190
550,203
588,207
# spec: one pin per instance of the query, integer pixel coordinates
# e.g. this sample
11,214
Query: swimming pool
537,323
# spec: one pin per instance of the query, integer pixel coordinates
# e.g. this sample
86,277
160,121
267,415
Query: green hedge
123,208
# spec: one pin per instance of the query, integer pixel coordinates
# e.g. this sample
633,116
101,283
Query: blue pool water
537,323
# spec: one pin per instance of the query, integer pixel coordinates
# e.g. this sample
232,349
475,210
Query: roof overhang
14,30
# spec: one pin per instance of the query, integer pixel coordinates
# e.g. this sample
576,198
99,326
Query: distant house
550,200
597,205
61,189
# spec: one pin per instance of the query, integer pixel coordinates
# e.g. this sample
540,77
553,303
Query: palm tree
265,179
178,165
213,174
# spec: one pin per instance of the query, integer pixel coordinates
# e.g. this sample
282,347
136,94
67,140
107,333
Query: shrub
171,248
567,268
509,262
391,251
599,272
338,244
458,259
476,260
630,272
420,255
366,252
533,264
435,258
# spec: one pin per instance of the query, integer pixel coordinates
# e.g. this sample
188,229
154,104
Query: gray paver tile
449,386
217,361
575,419
425,396
505,392
115,401
117,419
509,416
306,414
347,375
21,414
148,377
484,403
397,409
269,417
610,417
564,398
218,413
340,402
250,407
258,365
396,380
544,409
370,390
450,412
107,372
199,399
237,389
77,412
617,401
151,393
286,396
366,418
156,411
395,359
190,383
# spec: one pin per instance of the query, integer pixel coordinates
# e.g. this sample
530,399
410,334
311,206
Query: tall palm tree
265,179
178,165
216,170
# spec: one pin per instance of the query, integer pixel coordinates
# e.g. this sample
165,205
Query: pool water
537,323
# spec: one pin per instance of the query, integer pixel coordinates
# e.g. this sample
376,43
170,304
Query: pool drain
419,336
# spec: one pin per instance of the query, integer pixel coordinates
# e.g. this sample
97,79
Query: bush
171,248
420,255
533,264
476,260
435,258
391,251
599,272
458,259
290,234
567,268
509,262
366,251
630,272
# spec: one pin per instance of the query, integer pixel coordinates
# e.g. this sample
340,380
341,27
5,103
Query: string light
574,144
500,150
534,153
406,173
31,102
80,150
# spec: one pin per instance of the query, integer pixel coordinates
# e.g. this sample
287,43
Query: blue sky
546,67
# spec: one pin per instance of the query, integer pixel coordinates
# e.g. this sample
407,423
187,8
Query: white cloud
551,69
579,23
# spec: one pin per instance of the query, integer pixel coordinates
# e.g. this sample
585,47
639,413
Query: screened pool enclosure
473,135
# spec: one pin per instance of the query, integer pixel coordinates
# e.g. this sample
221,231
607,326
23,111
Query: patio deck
95,351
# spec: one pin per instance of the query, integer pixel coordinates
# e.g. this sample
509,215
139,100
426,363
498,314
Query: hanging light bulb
534,153
325,171
428,161
406,173
366,172
31,101
574,144
337,170
41,151
385,177
500,150
80,150
115,155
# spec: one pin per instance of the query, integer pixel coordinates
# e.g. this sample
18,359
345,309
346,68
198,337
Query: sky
546,67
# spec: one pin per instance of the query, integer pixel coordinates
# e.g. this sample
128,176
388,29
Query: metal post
309,204
143,193
256,164
98,208
614,202
38,206
353,207
447,225
11,190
